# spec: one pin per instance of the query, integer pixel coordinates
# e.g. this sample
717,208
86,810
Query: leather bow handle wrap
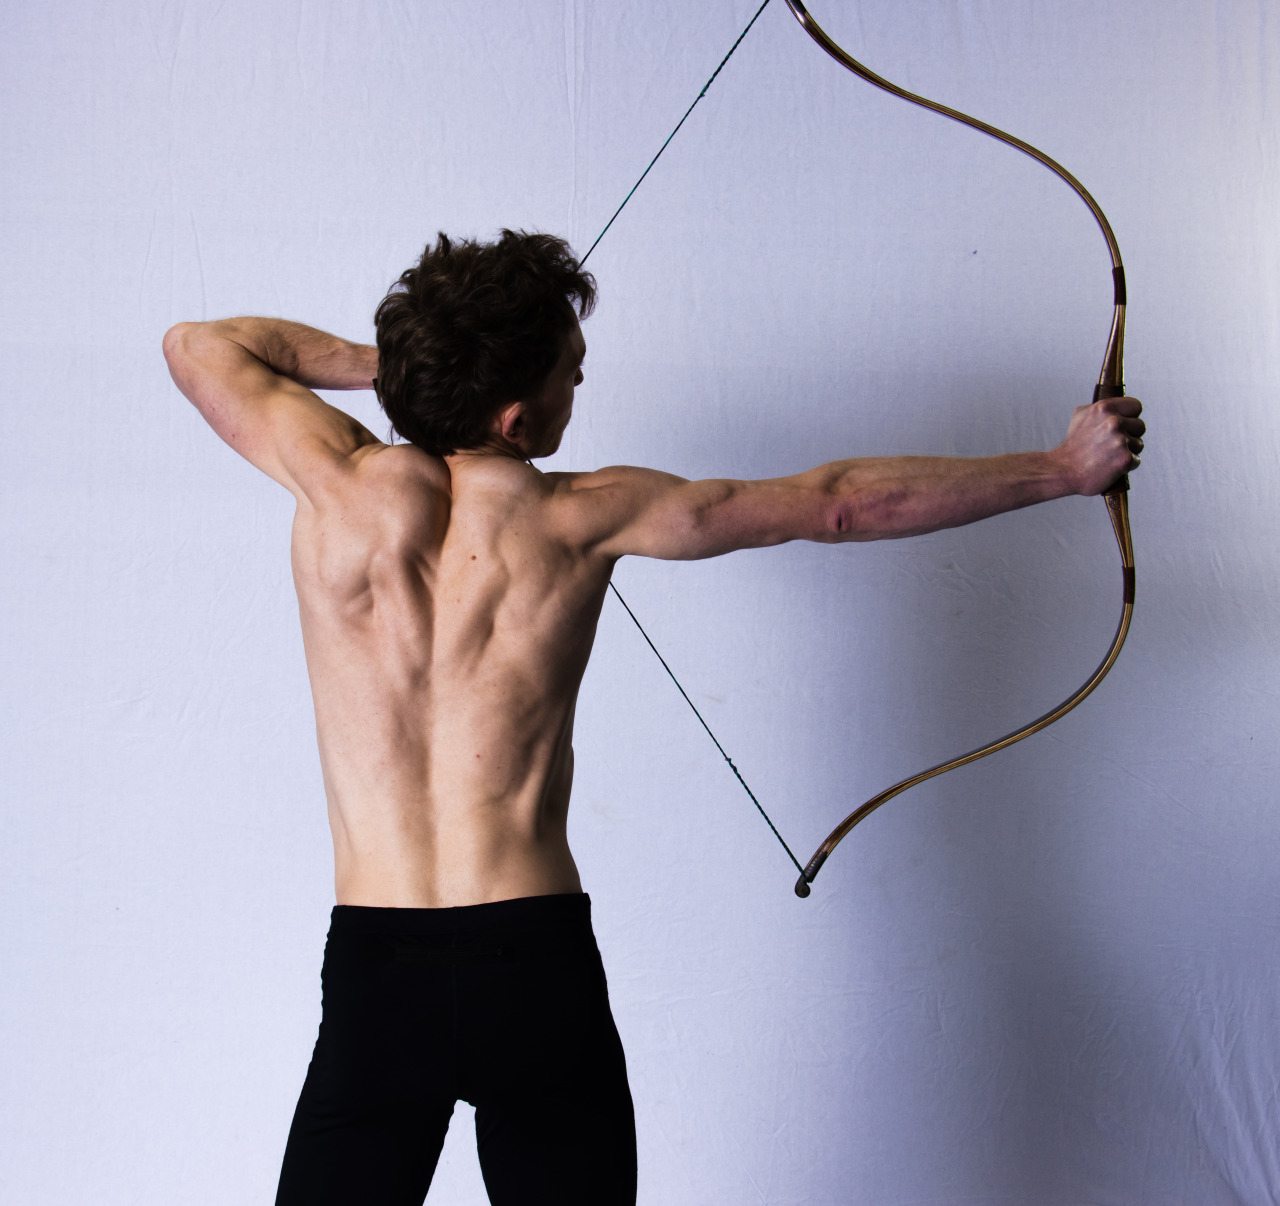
1110,384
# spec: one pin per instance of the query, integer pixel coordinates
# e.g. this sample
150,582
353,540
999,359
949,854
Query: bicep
279,426
645,513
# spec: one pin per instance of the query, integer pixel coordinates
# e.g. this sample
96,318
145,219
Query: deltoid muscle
1110,385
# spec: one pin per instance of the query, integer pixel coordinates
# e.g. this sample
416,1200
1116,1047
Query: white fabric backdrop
1050,978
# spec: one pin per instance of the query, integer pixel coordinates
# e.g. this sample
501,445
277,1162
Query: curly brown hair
471,327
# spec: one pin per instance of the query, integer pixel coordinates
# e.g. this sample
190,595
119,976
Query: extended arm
653,514
251,378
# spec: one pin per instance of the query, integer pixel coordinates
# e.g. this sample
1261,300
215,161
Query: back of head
471,327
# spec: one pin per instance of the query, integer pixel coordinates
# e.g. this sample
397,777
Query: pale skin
449,605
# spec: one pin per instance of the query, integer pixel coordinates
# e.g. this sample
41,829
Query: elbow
861,515
174,340
843,519
180,355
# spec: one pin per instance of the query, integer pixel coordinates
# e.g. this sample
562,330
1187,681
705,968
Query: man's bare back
447,625
449,604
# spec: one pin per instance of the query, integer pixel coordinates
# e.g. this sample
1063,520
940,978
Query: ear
511,422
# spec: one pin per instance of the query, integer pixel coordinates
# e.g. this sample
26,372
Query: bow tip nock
802,887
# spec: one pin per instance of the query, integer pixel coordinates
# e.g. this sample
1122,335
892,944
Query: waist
525,912
525,925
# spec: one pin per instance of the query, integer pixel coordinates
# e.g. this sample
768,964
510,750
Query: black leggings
503,1005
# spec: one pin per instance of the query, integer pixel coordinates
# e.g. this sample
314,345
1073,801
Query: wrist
1060,473
366,366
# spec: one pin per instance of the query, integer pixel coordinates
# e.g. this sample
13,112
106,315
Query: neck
486,452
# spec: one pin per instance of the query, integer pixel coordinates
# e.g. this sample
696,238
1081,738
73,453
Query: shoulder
590,508
399,467
579,511
377,513
381,492
383,476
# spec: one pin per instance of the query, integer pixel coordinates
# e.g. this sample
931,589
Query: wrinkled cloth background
1045,980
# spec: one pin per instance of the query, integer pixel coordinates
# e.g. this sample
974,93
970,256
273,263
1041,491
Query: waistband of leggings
570,911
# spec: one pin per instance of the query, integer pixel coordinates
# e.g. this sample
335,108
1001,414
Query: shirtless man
449,593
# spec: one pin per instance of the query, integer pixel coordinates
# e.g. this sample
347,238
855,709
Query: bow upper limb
252,380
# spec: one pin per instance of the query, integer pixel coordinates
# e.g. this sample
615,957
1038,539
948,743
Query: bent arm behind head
251,379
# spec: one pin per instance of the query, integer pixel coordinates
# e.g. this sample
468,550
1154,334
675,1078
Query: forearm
303,354
890,497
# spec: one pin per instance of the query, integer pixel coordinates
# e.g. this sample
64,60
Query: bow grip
1121,484
1111,380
